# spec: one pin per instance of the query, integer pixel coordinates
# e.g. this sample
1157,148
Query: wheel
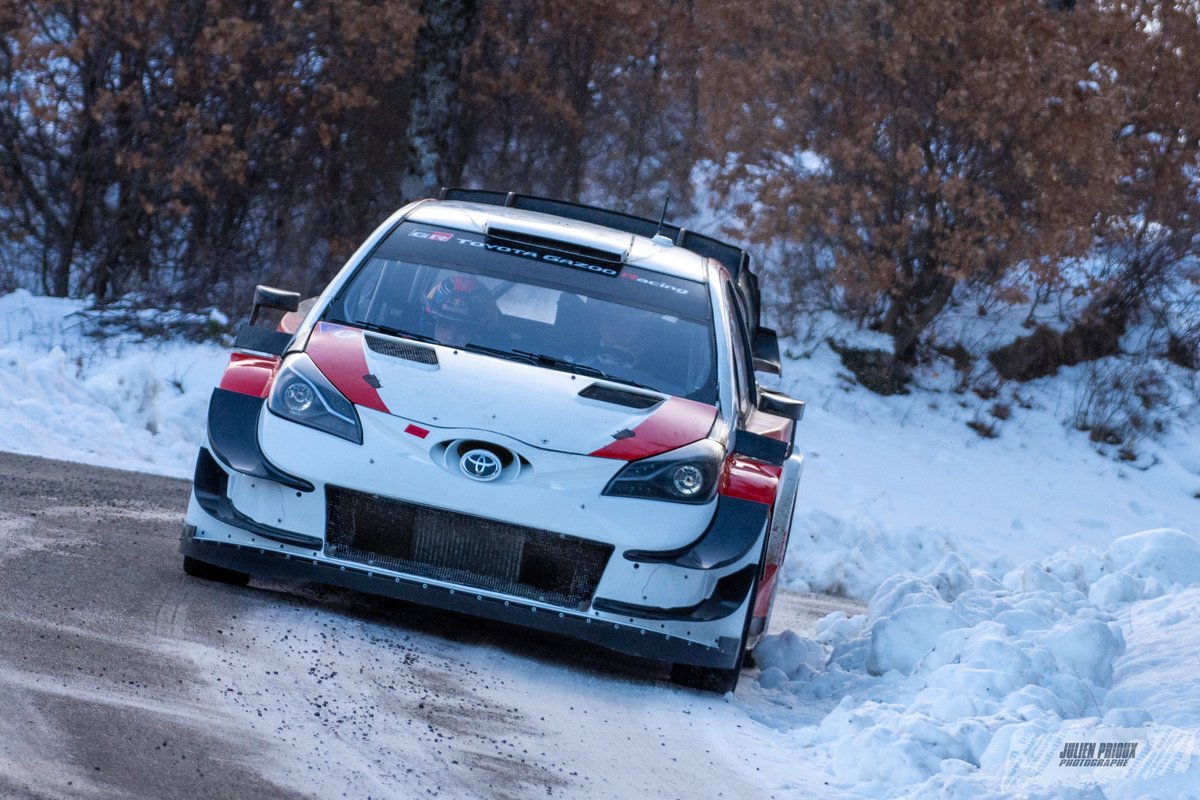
758,629
211,572
748,659
718,679
707,679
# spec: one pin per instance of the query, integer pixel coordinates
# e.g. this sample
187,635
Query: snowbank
935,683
891,484
116,401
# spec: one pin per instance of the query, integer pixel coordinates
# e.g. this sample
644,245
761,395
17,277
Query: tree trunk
914,309
435,126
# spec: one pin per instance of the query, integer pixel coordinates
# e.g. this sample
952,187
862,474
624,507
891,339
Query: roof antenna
658,237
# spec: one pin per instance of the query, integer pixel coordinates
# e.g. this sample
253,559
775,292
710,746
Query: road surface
120,677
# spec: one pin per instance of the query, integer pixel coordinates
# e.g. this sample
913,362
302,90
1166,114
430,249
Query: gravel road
120,677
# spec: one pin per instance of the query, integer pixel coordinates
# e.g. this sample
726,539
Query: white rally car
523,409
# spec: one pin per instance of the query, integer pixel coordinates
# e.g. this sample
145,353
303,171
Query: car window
741,363
529,302
656,336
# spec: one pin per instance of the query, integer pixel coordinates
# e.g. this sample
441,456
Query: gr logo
434,236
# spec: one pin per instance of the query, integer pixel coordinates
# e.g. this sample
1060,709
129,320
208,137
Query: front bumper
632,603
625,637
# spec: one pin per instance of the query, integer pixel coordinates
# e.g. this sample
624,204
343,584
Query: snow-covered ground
116,401
1024,591
893,483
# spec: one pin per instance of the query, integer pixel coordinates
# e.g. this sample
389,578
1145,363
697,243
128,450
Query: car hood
443,387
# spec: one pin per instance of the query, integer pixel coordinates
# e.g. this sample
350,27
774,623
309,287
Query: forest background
887,161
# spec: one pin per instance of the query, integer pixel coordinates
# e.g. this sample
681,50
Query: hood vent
400,349
620,397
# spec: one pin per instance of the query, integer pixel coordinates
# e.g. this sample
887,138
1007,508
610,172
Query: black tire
717,679
708,679
211,572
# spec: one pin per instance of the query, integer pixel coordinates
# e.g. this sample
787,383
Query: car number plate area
464,549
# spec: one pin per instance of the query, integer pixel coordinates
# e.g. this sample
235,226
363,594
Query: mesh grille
620,397
395,349
464,549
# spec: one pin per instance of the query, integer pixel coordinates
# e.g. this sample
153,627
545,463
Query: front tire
211,572
708,679
718,679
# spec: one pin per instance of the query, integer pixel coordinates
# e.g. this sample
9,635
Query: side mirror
765,349
780,405
270,297
266,338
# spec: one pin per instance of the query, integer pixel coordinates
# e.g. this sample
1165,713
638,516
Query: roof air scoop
600,247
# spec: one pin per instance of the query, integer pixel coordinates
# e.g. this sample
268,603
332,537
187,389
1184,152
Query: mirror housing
765,349
780,405
763,448
266,338
270,297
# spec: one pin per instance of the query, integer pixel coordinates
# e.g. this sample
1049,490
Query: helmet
461,298
621,333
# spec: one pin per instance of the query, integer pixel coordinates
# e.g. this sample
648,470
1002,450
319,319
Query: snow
945,669
892,483
117,401
1021,590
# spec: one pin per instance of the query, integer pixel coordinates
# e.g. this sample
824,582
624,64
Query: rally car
523,409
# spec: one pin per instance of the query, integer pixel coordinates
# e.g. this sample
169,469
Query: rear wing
733,258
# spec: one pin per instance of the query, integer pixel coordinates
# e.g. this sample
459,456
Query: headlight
686,475
302,394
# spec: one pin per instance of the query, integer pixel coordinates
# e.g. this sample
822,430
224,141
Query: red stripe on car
749,480
248,374
766,586
672,425
338,352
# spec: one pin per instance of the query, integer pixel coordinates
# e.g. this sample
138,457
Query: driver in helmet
462,309
621,343
612,337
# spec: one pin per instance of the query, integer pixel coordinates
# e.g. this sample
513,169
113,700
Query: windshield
536,304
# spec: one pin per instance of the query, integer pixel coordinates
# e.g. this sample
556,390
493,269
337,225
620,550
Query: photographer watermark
1081,755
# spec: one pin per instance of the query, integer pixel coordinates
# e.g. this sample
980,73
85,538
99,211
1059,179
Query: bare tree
921,144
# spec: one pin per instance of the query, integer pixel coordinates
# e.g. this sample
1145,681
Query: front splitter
624,638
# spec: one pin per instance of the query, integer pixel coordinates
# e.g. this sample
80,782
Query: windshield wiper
553,362
537,359
390,331
543,360
511,355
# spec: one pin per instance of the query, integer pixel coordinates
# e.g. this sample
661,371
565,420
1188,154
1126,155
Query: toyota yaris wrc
523,409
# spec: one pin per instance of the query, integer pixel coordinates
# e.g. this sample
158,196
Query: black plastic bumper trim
211,487
630,639
233,433
727,597
734,529
763,448
262,340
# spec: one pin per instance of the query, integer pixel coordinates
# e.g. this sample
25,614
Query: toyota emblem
480,465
